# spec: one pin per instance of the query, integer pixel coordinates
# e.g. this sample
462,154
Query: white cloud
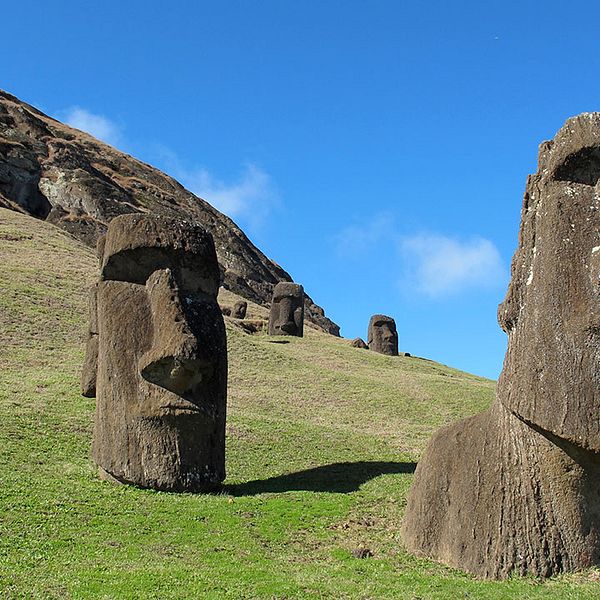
99,126
438,265
357,239
251,197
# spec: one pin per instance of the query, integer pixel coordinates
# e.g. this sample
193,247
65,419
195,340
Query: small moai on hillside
359,343
157,357
287,310
516,489
383,337
239,309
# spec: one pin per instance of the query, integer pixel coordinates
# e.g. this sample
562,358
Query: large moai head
287,310
383,337
517,489
161,372
551,375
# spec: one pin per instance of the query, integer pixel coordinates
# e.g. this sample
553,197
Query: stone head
287,310
551,375
239,309
161,379
383,337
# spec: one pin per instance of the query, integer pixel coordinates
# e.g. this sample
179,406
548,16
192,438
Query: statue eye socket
581,167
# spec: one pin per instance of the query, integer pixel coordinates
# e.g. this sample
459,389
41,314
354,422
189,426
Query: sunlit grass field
322,443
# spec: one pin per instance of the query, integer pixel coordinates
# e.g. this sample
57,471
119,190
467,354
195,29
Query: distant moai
516,489
383,337
287,310
359,343
239,309
157,356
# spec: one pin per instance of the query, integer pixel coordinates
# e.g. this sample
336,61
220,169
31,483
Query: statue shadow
339,478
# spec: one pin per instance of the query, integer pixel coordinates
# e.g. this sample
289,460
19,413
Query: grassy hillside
322,442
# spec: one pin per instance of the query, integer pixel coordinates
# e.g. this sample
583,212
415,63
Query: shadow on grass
340,478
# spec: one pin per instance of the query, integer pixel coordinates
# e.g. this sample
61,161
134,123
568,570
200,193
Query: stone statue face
383,337
551,375
287,310
161,379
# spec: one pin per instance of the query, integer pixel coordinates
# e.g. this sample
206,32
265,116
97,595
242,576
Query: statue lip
185,407
181,409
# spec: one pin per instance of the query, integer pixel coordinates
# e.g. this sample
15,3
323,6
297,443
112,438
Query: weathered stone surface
287,310
383,337
139,244
162,359
52,171
359,343
90,365
252,325
239,310
517,489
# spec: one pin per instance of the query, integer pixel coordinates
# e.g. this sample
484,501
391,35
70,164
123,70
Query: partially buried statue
239,309
517,489
157,356
383,337
287,310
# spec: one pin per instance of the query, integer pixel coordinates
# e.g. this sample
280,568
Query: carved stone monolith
383,337
287,310
158,352
517,488
239,309
359,343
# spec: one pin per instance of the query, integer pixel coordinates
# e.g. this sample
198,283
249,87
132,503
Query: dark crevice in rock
581,167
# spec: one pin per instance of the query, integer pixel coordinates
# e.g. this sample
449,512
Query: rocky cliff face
69,178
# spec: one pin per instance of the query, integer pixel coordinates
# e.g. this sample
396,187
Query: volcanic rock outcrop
517,489
287,310
383,337
67,177
157,356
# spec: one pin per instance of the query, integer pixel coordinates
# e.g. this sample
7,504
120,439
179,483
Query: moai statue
287,310
239,309
517,489
158,352
359,343
383,337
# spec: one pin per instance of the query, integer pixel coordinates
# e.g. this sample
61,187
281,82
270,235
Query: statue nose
174,361
182,376
287,314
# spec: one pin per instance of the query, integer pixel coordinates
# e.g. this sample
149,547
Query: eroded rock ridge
55,172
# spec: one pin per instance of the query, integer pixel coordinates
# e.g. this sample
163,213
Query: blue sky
377,150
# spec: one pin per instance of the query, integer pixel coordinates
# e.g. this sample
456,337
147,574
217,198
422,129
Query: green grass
322,440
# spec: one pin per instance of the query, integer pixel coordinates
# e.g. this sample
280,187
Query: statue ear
90,365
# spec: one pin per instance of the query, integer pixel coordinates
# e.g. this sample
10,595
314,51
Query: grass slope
322,441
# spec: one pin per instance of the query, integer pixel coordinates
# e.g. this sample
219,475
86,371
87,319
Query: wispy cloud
355,240
251,197
438,265
99,126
